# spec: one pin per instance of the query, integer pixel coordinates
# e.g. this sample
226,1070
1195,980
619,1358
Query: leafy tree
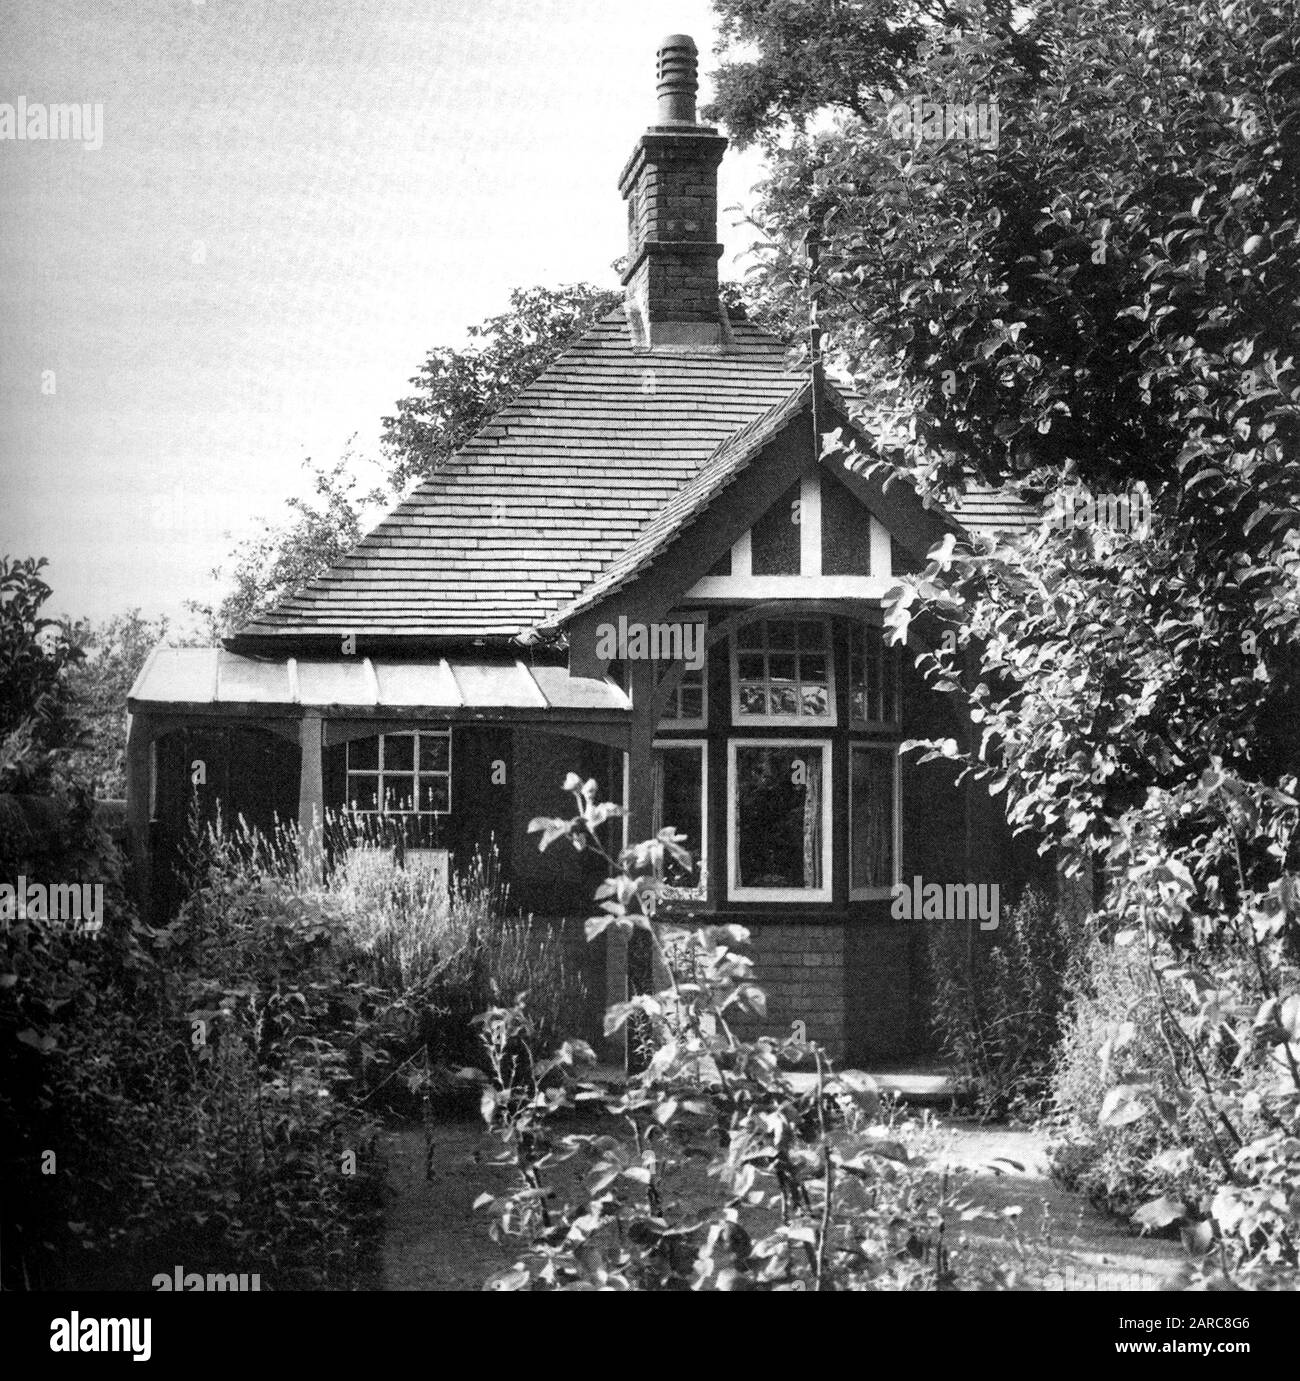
37,718
803,57
1106,295
115,652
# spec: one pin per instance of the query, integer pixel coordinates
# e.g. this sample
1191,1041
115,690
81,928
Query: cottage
665,475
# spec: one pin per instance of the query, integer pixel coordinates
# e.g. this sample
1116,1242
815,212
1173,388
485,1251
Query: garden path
434,1240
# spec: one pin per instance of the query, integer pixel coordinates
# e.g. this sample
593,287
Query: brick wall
801,969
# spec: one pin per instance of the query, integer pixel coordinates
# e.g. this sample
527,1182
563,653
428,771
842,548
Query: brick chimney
670,185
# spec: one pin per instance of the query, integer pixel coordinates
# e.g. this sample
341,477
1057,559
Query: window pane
363,793
751,635
399,792
399,752
812,634
435,793
692,702
753,700
814,700
680,804
872,816
750,666
780,633
435,750
363,753
778,817
785,700
812,668
780,666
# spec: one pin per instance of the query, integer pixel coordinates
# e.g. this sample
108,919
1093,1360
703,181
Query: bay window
873,820
779,820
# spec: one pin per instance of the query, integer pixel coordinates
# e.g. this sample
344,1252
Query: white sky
294,200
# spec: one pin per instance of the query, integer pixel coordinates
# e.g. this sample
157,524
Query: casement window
400,774
874,700
874,843
779,794
681,793
687,705
782,673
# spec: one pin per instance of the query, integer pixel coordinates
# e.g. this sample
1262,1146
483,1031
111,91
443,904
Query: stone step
929,1087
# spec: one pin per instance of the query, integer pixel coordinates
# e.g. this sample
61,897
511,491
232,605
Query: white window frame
701,851
878,893
416,773
809,722
890,659
824,893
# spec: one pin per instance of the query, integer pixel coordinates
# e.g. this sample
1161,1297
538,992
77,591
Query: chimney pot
678,79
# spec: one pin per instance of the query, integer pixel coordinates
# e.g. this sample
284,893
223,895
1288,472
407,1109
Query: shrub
712,1170
1113,1035
999,1006
193,1085
1182,1069
445,955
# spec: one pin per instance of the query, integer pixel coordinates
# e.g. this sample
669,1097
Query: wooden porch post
621,954
311,794
139,740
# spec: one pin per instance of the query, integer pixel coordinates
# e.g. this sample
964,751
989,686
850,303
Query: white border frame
701,892
825,893
785,721
878,893
416,773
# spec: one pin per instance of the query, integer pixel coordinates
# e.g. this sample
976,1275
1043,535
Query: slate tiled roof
995,511
570,492
540,502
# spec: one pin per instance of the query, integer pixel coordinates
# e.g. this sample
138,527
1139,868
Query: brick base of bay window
801,969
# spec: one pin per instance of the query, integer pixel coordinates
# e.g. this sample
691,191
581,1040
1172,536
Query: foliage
458,391
36,702
999,1003
194,1085
1105,296
447,953
711,1171
803,57
1114,1033
115,652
